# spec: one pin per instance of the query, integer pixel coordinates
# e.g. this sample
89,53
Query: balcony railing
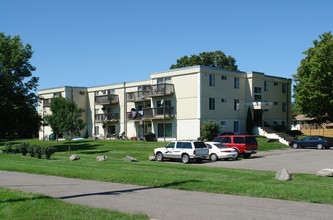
47,102
108,99
260,105
134,115
106,118
149,91
158,113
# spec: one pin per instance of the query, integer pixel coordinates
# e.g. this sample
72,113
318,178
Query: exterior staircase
272,134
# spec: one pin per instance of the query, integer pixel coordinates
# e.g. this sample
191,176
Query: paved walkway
161,203
294,160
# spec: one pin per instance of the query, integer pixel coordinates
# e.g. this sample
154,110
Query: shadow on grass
118,192
76,146
95,152
24,199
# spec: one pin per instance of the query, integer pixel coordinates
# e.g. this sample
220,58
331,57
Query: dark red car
244,144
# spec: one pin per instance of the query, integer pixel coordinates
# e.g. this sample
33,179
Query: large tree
313,91
18,99
65,118
211,59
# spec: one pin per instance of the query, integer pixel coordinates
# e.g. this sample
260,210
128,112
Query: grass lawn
19,205
304,187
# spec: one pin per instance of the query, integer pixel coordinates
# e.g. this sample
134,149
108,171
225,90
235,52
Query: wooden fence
321,132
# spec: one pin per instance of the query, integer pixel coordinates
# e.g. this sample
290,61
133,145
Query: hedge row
32,150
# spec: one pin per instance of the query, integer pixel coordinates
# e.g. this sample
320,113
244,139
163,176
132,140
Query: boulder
130,159
74,157
102,158
152,158
1,151
284,175
325,172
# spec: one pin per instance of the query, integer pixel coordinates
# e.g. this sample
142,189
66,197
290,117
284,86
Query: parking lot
295,160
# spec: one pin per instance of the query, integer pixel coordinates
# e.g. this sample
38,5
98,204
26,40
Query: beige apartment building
173,104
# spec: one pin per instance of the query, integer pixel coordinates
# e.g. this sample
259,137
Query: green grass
264,146
20,205
304,187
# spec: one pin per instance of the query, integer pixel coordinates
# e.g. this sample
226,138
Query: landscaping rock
74,157
130,159
325,172
152,158
102,158
284,175
1,151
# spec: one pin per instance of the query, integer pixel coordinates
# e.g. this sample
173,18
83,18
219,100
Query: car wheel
295,146
237,155
246,156
185,158
159,157
319,146
213,157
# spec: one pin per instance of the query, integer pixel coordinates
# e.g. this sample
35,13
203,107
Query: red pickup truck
244,144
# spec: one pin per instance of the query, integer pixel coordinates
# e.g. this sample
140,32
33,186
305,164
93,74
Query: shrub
249,121
8,148
48,151
38,151
24,148
31,150
16,148
150,136
209,130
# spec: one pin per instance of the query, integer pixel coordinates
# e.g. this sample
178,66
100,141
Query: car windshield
250,140
220,146
200,145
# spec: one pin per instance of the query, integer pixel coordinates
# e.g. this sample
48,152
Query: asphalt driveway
295,160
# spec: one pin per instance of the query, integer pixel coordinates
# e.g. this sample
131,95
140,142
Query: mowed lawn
304,187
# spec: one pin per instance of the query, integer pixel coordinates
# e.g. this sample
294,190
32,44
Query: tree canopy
18,101
65,118
211,59
313,91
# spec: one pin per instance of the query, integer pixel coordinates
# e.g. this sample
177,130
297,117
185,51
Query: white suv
184,150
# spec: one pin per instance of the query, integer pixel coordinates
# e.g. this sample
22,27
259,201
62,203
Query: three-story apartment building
174,103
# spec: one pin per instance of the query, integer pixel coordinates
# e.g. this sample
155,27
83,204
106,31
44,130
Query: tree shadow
119,192
95,152
24,199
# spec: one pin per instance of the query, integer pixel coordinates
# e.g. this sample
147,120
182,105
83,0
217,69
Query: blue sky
91,43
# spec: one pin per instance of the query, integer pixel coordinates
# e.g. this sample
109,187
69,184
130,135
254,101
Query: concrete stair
272,134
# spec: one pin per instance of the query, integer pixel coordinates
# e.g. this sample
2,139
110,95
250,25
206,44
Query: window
209,146
284,88
236,104
265,86
211,80
236,83
223,123
224,140
166,103
275,123
276,103
224,100
97,130
56,94
211,103
236,127
96,111
224,77
171,145
257,94
112,91
164,80
167,131
284,107
184,145
276,83
239,140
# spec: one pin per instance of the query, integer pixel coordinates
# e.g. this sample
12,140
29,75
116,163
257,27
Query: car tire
213,157
319,146
295,146
246,156
159,157
237,155
185,158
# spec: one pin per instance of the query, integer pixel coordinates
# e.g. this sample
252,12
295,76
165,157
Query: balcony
134,115
47,102
106,118
166,112
260,105
108,99
149,91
